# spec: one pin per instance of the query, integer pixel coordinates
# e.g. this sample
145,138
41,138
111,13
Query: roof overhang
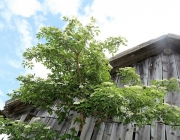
15,107
145,50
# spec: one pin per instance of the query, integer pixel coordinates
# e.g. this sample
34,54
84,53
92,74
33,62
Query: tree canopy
80,80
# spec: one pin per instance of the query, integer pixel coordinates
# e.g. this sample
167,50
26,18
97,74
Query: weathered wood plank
118,82
174,73
74,124
101,131
123,130
145,71
143,133
23,117
158,72
141,72
44,116
63,127
166,67
157,68
129,132
115,135
88,129
158,131
172,134
177,60
149,68
177,63
137,68
173,68
152,68
95,133
53,123
45,120
42,113
107,131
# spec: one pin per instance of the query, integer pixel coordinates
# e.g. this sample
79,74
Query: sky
136,20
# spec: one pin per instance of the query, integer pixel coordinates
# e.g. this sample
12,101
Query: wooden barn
156,59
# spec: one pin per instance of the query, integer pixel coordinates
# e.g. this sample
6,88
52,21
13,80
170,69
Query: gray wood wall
157,67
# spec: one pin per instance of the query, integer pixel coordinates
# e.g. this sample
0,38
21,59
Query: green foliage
128,76
77,65
170,85
80,80
129,104
17,130
72,136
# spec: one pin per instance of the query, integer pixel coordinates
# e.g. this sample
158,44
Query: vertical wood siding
159,67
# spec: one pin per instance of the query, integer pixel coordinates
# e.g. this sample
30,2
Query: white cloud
39,19
26,41
15,63
1,4
26,38
63,7
6,15
138,21
39,70
24,8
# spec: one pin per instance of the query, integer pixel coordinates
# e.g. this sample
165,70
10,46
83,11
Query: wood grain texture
88,129
143,133
157,131
172,134
115,135
101,131
174,73
129,131
107,131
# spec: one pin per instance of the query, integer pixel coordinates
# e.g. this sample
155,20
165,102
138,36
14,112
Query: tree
80,79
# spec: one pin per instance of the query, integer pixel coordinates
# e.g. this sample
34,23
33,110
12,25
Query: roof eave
142,51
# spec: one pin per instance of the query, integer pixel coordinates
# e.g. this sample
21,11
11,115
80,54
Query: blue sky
20,20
